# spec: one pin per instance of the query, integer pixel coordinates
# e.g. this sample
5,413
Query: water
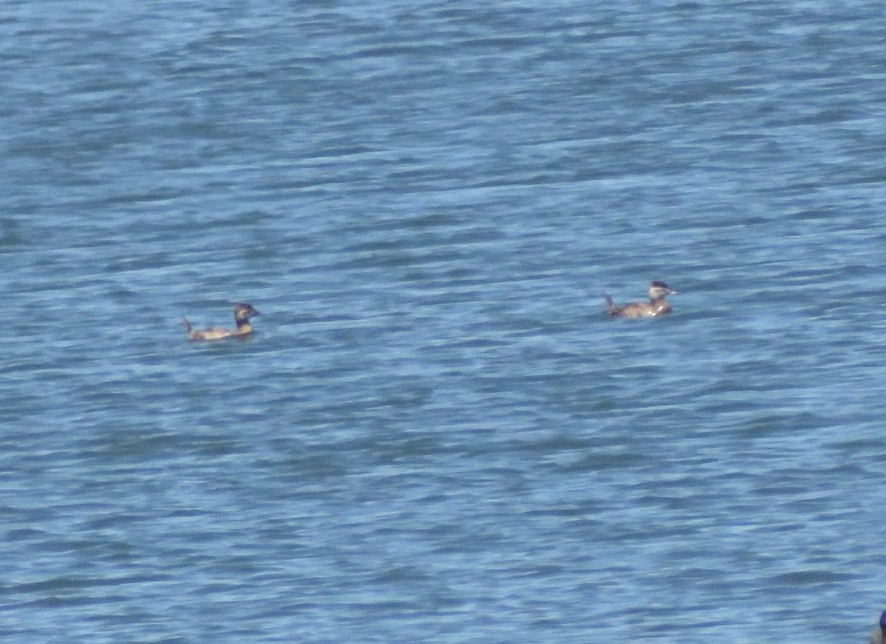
436,434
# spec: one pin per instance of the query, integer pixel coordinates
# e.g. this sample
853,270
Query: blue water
436,433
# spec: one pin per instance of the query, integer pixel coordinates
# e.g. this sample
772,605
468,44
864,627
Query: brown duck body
657,304
242,313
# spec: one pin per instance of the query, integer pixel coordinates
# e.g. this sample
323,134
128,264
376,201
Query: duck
242,313
879,634
657,304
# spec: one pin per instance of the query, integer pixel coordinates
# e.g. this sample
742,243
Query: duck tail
186,324
613,309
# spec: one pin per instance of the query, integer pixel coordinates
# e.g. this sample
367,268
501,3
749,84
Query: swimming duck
657,304
879,634
242,313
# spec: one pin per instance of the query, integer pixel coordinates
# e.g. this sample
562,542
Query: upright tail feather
613,309
186,324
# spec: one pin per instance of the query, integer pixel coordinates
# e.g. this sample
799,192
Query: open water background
436,434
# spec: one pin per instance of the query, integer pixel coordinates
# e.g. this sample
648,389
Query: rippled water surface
437,434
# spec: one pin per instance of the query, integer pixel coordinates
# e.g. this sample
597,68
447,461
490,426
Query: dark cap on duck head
243,311
883,620
658,290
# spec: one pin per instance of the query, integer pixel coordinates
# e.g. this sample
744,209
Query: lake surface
437,433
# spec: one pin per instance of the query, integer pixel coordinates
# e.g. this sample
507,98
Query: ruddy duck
657,304
879,634
242,313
